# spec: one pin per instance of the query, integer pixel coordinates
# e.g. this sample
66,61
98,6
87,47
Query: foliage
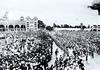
49,28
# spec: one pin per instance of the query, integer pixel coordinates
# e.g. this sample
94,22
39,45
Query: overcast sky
71,12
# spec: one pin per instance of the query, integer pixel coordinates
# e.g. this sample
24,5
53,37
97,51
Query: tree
84,26
76,26
62,26
49,28
57,26
54,25
88,26
66,26
41,24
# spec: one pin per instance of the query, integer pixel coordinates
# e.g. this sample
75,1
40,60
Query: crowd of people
35,51
79,45
27,53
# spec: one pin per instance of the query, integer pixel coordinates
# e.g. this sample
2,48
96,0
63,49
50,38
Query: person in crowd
1,67
86,56
60,60
51,67
37,52
56,63
56,52
81,65
23,66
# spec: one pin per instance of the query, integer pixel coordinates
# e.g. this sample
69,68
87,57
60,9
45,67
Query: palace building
23,24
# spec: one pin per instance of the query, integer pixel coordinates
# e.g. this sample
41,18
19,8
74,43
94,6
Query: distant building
22,24
95,28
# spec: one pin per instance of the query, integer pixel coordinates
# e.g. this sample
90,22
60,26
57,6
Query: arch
23,26
11,26
2,28
17,26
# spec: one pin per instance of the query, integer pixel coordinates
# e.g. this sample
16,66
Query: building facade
23,24
95,28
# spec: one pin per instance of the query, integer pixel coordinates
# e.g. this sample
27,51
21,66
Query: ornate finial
21,18
5,15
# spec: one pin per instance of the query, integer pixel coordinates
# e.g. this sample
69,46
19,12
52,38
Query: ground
93,63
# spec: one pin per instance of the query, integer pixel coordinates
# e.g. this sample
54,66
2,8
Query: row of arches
12,27
17,26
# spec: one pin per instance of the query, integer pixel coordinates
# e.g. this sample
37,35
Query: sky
71,12
96,1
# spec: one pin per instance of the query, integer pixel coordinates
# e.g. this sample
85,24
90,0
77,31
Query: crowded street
92,64
55,50
89,59
49,34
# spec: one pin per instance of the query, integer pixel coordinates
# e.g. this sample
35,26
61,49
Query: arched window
17,26
23,26
2,28
11,26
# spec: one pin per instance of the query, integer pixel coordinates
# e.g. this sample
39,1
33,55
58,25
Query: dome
28,18
35,18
